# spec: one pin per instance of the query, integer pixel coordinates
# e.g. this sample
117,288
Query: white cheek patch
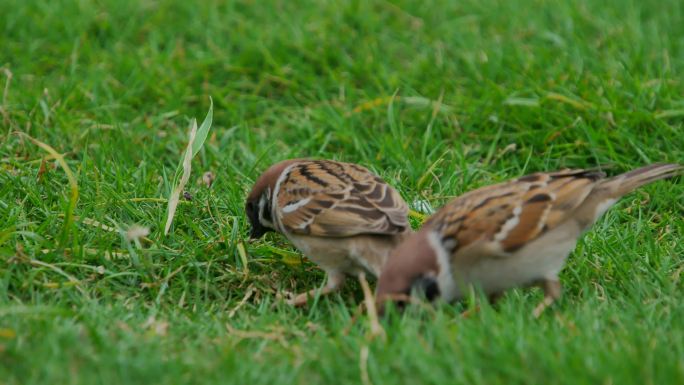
262,206
509,225
281,178
274,197
294,206
445,279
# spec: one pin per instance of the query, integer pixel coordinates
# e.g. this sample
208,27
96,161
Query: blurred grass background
438,97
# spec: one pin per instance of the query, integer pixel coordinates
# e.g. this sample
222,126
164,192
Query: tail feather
629,181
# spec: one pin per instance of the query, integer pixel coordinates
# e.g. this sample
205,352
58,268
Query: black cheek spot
426,286
251,212
267,212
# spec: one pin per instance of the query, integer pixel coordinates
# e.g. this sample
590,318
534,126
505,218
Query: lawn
438,97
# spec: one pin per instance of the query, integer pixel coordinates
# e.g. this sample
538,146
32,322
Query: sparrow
513,234
342,216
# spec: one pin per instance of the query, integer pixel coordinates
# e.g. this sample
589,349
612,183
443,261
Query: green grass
438,98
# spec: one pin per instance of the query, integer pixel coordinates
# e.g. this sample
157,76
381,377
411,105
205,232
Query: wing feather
511,214
336,199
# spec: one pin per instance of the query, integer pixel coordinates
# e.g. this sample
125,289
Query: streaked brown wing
516,212
334,199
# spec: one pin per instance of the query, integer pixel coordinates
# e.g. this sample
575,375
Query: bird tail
629,181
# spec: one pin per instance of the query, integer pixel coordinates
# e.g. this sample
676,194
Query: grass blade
203,129
180,184
196,139
73,185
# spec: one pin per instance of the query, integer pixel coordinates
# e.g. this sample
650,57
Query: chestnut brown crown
258,205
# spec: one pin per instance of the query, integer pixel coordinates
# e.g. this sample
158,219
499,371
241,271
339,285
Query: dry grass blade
243,256
369,300
579,104
363,365
96,224
108,254
415,101
242,302
73,281
196,140
669,114
73,184
276,335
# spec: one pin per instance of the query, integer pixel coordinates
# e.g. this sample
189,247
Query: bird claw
293,299
286,296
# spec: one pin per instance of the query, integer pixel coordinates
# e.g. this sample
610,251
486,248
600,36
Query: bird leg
552,292
335,282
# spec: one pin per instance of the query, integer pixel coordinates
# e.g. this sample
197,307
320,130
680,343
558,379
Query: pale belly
541,259
346,255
